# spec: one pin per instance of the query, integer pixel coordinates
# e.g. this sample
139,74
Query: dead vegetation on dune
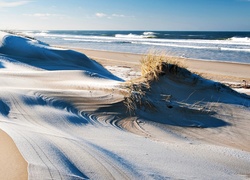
136,97
18,33
153,66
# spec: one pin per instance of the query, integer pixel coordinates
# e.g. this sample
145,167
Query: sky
180,15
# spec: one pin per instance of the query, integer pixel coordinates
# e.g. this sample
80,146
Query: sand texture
66,115
13,166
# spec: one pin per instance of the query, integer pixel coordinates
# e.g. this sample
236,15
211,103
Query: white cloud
4,4
45,15
100,15
118,15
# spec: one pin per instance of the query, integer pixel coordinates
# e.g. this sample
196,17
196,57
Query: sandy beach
62,116
220,71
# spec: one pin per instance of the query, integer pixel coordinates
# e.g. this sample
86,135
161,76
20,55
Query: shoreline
130,53
193,59
232,72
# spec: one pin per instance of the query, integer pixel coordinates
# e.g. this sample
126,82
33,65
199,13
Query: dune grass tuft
153,66
19,34
137,98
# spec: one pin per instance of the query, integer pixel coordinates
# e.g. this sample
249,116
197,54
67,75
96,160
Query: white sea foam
192,46
86,40
130,35
145,36
143,41
149,33
240,39
134,36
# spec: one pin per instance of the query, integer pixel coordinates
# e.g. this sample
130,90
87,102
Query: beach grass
19,34
153,65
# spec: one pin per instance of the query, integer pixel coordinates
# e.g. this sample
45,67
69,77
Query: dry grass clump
19,34
136,97
155,64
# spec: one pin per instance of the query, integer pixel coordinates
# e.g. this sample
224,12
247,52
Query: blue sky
201,15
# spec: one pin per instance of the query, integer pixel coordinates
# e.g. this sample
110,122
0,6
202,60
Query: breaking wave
222,46
143,35
240,39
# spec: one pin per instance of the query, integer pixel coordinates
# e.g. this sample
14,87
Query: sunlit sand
66,116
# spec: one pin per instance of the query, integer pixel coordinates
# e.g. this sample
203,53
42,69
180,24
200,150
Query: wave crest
240,39
135,36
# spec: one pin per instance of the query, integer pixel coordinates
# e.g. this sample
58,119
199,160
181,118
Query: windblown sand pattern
66,115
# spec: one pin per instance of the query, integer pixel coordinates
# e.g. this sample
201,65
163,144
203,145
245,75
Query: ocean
213,46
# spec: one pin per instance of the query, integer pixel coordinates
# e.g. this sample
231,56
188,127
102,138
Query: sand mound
41,55
179,98
182,98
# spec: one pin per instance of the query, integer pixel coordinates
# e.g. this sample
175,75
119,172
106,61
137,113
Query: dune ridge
65,113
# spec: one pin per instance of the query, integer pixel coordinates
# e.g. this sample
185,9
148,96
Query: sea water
216,46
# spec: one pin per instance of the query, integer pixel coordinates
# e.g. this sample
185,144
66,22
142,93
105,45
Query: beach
62,116
215,70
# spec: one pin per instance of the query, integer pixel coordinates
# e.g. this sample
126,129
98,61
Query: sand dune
66,115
